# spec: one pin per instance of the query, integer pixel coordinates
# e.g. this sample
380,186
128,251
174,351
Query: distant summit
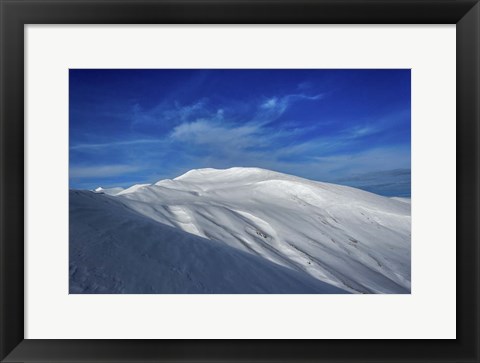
109,191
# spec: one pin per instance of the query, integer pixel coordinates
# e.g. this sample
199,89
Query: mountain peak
109,191
230,173
345,237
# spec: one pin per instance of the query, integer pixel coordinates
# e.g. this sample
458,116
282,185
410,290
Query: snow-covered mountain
239,230
109,191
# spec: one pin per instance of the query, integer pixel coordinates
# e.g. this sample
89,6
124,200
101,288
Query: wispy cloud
206,132
273,107
237,142
369,160
394,182
281,103
219,132
361,131
101,171
114,144
167,112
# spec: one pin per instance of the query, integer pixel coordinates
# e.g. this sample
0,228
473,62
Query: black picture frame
16,13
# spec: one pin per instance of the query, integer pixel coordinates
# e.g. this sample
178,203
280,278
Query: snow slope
113,249
347,238
109,191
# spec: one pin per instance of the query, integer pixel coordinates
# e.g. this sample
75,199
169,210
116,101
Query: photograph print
239,181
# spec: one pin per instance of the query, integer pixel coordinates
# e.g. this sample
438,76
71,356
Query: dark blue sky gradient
139,126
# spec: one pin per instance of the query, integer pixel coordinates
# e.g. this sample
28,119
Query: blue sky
139,126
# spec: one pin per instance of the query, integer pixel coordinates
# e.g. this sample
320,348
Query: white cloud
168,111
383,158
274,107
361,131
101,171
114,144
207,132
270,103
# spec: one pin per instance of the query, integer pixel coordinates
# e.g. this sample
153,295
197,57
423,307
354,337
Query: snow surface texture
109,191
239,230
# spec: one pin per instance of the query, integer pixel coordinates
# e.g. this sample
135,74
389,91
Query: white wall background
429,312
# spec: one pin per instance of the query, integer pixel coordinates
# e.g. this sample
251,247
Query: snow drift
239,230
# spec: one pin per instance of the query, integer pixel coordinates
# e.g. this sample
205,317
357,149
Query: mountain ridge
348,238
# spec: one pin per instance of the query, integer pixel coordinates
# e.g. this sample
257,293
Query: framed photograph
239,181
